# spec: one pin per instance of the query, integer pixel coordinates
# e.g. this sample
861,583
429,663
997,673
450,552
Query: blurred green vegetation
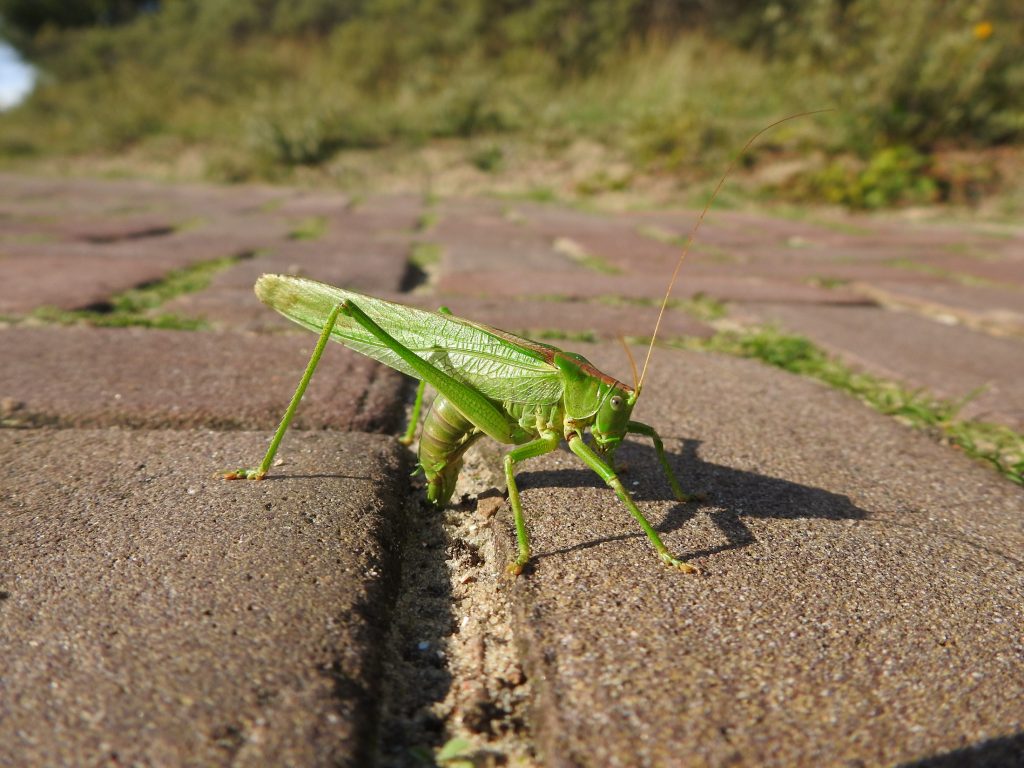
259,89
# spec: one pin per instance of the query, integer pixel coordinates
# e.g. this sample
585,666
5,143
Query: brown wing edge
547,353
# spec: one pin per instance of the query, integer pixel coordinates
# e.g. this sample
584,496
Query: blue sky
16,77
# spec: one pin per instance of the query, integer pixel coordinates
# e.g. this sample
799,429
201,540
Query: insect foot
678,564
245,474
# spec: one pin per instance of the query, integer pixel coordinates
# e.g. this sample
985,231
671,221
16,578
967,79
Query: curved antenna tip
700,220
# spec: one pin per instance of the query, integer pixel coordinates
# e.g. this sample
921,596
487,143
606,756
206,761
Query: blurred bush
266,85
918,72
892,176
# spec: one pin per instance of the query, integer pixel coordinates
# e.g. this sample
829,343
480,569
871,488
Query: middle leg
545,444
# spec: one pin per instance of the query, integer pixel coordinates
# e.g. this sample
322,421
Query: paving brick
861,601
949,360
574,317
72,277
155,379
584,284
390,213
1000,310
349,255
850,240
486,239
154,614
92,228
796,266
607,238
313,203
736,232
734,243
73,244
475,206
480,251
77,275
58,196
1007,272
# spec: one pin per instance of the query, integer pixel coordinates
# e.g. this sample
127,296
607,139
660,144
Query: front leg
659,448
592,460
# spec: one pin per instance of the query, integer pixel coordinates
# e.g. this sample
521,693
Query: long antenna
696,227
632,361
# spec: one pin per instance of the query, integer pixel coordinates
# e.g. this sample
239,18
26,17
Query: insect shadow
733,494
993,753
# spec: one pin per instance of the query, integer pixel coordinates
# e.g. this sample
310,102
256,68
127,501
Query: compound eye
616,402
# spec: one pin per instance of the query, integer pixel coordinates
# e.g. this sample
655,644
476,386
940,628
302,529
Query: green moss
191,279
580,255
554,334
828,282
596,263
427,220
661,234
699,306
311,228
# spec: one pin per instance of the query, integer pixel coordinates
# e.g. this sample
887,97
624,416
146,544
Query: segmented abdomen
446,436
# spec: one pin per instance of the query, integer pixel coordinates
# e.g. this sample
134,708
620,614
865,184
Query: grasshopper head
612,417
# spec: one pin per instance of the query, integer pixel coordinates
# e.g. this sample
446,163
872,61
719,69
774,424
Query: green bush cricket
489,382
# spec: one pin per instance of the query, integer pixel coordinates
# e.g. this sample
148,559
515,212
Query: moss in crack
578,253
699,306
311,228
136,306
427,220
554,334
421,266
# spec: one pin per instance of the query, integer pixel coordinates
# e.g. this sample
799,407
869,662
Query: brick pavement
856,573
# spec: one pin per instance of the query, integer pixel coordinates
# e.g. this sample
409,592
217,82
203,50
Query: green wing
499,365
